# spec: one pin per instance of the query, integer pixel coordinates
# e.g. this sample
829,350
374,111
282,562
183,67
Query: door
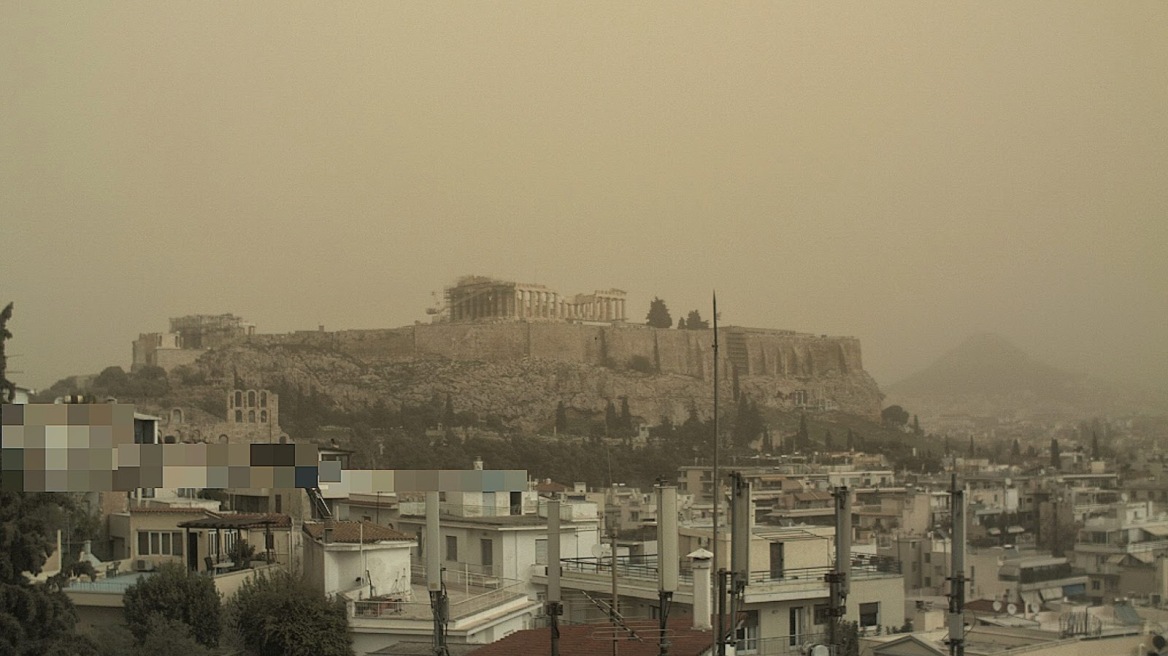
796,627
193,551
487,556
776,560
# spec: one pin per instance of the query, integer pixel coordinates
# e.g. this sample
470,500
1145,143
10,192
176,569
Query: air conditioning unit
143,565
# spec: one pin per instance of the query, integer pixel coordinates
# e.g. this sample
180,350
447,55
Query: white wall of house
336,567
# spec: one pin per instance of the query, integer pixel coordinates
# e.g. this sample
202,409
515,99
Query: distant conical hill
989,364
988,375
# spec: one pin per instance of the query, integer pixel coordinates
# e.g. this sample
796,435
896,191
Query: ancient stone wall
754,352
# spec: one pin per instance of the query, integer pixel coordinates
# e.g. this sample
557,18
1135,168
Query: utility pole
614,611
439,602
838,579
555,607
719,608
667,557
956,618
739,548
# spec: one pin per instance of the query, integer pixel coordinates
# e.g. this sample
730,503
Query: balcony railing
459,608
457,575
635,567
788,645
645,568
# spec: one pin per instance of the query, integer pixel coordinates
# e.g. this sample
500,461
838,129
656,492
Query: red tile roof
596,640
352,532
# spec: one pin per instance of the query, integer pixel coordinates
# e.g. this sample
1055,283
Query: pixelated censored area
95,448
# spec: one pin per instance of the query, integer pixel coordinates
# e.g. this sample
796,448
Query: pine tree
972,448
611,422
658,316
561,419
626,417
448,412
1054,453
802,438
1094,445
917,426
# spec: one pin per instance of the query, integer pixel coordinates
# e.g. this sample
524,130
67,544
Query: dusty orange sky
909,173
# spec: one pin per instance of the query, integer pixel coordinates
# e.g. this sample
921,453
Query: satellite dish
1011,609
1032,608
601,550
997,606
1159,642
820,650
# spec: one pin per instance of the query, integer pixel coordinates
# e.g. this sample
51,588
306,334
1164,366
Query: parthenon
476,298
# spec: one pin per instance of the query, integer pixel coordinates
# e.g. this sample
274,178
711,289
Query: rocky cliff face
524,393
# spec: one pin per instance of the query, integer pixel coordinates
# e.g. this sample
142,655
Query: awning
994,531
1116,559
1015,529
1075,590
1051,593
1145,557
1031,601
1158,531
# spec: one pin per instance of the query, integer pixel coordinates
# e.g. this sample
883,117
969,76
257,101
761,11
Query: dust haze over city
908,174
375,240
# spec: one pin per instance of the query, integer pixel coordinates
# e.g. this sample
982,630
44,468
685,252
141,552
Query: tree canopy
34,618
178,593
894,415
280,614
694,321
659,316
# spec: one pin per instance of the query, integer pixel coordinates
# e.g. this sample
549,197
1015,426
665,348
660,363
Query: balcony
468,596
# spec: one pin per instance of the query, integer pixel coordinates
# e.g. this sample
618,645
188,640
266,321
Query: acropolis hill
530,328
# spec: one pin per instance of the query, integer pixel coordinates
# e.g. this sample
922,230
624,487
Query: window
928,557
451,547
160,543
279,503
239,416
263,399
238,398
1095,584
541,552
251,398
251,416
269,540
796,625
870,614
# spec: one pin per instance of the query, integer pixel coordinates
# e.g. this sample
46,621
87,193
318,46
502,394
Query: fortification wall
565,342
484,342
170,358
754,352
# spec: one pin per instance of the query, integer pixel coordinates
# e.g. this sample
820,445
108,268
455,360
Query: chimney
702,594
478,463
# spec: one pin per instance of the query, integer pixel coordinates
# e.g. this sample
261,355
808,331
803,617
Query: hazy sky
909,173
